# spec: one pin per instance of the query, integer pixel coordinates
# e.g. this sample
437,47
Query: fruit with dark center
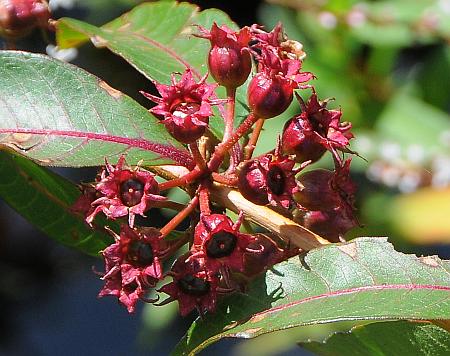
140,253
131,191
221,244
194,286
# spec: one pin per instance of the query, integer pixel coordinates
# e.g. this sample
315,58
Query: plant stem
224,179
198,158
250,147
224,147
229,119
183,180
204,200
177,219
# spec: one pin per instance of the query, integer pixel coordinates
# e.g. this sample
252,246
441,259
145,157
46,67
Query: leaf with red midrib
60,115
365,279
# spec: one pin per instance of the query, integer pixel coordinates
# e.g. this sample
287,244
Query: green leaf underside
157,39
365,279
386,339
44,199
60,115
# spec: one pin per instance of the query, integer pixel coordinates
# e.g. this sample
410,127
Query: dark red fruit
299,140
194,286
19,17
140,253
269,96
316,191
331,225
229,59
252,183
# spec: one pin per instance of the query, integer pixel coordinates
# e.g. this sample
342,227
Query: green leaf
44,199
157,39
386,339
60,115
365,279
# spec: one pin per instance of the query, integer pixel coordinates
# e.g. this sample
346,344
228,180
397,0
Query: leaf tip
116,94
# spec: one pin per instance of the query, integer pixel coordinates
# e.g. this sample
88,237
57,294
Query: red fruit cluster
223,256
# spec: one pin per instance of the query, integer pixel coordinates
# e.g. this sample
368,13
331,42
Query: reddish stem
204,201
224,147
250,147
229,118
186,179
177,219
230,180
198,158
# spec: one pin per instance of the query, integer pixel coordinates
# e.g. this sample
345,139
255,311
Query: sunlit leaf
385,339
60,115
365,279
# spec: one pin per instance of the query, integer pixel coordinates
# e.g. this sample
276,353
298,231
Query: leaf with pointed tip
385,339
60,115
365,279
157,39
44,199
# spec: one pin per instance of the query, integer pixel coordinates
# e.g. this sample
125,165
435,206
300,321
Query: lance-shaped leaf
365,279
60,115
157,39
385,339
44,199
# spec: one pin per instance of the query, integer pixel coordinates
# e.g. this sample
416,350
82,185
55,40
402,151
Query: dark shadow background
48,303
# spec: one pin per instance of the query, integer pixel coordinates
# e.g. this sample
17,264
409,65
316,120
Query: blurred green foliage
387,64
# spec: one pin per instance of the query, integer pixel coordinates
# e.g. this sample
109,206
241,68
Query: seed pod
229,59
269,96
19,17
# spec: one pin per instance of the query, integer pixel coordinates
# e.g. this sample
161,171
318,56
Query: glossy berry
193,286
268,179
268,96
218,242
229,59
298,140
314,131
185,106
331,225
132,265
122,191
252,182
19,17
